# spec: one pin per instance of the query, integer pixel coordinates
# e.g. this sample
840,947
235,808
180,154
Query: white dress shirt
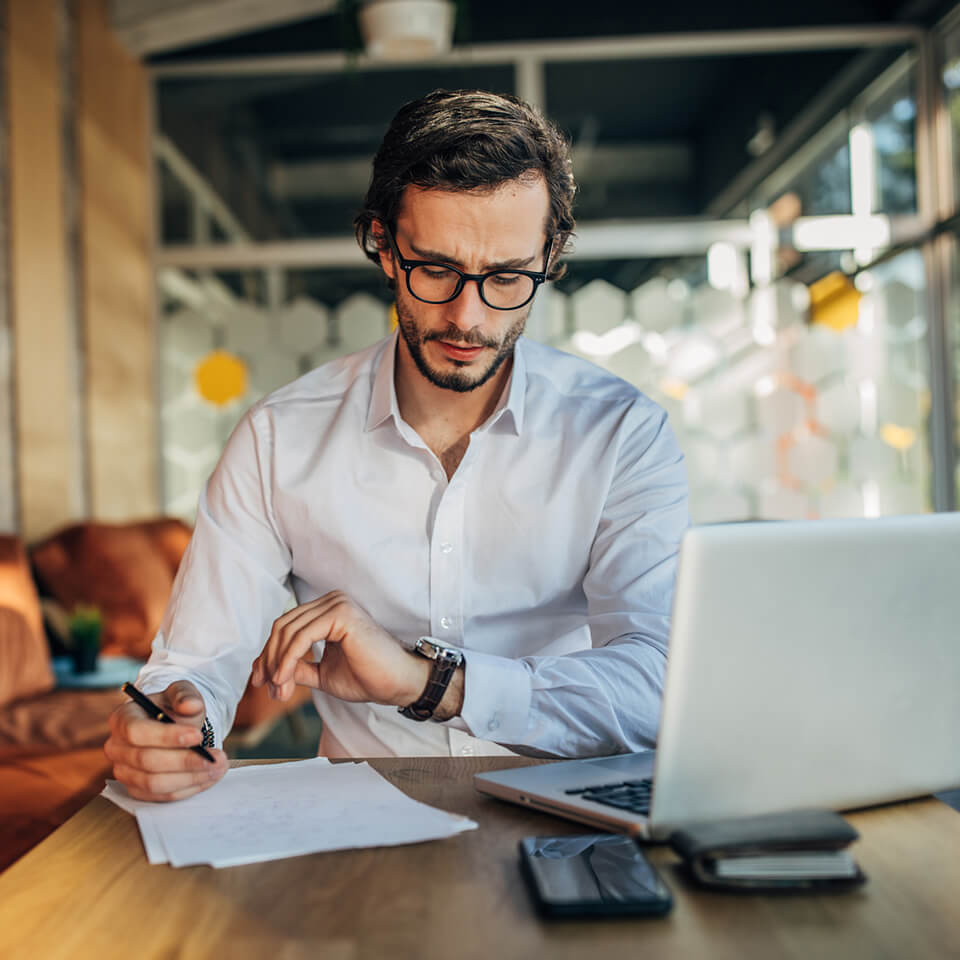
549,557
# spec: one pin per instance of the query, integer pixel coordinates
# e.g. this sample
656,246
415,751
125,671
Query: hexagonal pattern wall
779,418
276,346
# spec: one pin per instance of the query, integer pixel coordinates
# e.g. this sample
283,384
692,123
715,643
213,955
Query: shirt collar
383,396
510,407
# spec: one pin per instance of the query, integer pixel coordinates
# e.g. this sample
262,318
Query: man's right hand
153,760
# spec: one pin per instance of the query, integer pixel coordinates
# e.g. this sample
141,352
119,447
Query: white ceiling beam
642,47
594,241
653,162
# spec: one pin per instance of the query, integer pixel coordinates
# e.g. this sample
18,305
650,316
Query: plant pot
85,657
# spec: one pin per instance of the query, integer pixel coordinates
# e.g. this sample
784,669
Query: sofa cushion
170,537
117,568
24,659
37,794
56,722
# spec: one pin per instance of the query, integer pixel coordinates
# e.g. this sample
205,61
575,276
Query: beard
464,379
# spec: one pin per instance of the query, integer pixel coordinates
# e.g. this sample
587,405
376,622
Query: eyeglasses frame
538,277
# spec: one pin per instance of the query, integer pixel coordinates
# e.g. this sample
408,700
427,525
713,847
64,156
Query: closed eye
437,273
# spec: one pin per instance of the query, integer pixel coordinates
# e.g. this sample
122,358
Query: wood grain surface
88,891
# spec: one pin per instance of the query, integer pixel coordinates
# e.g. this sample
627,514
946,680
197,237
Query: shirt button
494,723
446,547
446,623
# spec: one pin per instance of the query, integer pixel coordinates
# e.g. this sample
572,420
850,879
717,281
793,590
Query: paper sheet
271,811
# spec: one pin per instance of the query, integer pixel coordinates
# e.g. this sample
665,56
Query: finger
256,673
183,699
332,597
294,618
139,794
326,619
279,625
306,673
181,795
162,784
298,645
281,634
156,759
137,728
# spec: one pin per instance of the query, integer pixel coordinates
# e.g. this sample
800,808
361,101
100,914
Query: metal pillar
935,202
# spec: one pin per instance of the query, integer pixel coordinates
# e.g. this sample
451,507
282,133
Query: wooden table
88,891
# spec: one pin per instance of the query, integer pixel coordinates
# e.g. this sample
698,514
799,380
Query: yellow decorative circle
221,378
900,438
674,388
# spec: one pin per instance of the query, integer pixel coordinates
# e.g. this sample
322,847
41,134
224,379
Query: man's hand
153,760
361,661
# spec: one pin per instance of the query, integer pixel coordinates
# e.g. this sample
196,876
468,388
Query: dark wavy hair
468,140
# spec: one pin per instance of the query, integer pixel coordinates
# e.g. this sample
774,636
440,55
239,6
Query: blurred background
765,245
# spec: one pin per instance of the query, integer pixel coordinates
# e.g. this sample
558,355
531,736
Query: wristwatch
445,662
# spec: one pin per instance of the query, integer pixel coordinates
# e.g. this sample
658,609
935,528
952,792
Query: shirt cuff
496,697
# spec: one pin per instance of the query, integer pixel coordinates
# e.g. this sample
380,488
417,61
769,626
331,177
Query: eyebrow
517,263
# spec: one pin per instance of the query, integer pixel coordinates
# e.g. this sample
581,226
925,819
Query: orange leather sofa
51,741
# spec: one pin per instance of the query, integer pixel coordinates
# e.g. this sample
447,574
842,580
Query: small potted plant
86,625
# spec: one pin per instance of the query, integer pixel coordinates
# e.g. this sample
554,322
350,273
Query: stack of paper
272,811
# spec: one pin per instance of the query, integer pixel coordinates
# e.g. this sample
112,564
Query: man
515,506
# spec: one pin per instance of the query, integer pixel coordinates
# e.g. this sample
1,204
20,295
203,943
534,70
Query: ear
387,263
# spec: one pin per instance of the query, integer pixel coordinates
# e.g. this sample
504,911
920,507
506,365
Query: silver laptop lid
811,664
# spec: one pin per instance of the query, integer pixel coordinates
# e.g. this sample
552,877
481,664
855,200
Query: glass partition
951,93
809,419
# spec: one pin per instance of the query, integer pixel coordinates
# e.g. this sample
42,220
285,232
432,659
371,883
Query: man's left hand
361,661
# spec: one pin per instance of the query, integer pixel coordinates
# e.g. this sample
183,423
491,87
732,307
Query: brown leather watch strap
445,664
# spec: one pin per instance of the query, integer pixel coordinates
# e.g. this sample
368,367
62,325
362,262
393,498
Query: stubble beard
461,380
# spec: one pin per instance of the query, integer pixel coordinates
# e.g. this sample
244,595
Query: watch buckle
427,648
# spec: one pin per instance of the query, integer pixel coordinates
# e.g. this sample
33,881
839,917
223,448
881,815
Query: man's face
460,345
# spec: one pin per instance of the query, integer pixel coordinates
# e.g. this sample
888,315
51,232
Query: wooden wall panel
116,225
49,450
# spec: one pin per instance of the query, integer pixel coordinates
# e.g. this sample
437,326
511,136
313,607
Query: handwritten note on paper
272,811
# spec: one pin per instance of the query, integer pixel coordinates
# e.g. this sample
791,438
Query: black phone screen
596,874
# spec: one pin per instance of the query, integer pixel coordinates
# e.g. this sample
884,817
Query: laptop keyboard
632,795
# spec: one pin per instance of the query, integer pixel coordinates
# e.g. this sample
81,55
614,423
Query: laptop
811,664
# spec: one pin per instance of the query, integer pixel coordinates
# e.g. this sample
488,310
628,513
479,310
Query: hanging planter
406,29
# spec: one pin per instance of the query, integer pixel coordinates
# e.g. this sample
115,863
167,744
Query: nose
468,310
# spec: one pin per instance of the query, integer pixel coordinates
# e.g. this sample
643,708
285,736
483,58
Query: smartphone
591,876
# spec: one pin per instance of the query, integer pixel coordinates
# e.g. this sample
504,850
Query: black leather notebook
797,850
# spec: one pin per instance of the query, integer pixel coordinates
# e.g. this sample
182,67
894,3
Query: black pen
134,694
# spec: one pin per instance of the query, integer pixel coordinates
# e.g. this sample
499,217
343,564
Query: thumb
184,698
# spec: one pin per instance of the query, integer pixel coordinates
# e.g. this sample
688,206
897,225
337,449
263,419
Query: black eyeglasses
432,282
